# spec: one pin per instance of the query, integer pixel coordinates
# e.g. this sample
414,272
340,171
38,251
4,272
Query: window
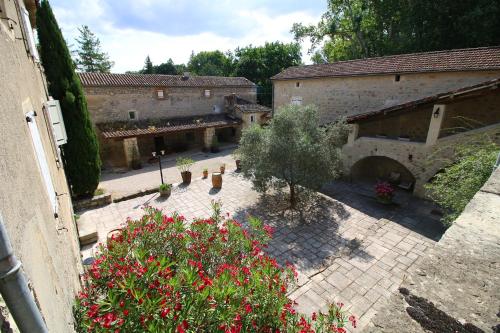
29,34
132,115
397,78
42,160
297,84
296,100
57,122
252,118
207,93
160,94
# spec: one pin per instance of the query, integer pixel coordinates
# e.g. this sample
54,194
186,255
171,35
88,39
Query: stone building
35,205
137,114
406,111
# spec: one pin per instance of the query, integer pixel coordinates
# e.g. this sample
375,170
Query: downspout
15,291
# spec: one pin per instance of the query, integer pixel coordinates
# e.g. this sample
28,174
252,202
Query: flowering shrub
159,275
384,191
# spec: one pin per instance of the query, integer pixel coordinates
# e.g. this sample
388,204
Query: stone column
132,153
438,113
208,136
353,134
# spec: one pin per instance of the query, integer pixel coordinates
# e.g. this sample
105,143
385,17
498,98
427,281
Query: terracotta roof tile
252,108
130,129
482,58
160,80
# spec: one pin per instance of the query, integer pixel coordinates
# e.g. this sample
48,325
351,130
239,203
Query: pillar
353,134
438,113
208,136
132,153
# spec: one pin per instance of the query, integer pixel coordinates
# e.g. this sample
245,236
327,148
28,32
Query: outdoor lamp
436,113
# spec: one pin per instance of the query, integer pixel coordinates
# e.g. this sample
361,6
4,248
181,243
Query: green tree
212,63
352,29
148,66
294,151
454,187
166,68
81,153
259,64
89,57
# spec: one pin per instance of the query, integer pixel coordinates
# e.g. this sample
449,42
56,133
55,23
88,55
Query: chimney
185,76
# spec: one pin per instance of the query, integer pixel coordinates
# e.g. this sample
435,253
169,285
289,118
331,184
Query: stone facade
47,245
351,95
367,155
109,104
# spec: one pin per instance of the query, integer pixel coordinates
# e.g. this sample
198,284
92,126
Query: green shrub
159,275
454,187
184,164
165,187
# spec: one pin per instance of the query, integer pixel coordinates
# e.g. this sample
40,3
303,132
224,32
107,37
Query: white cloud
128,47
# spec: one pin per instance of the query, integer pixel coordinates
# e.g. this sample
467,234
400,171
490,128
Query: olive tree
293,152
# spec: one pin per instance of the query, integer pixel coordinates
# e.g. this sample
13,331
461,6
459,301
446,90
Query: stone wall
460,276
46,245
346,96
471,113
413,125
108,104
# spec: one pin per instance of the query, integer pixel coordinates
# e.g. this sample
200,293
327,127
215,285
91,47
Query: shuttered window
29,34
41,158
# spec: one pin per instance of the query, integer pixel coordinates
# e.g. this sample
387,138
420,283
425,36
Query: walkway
348,249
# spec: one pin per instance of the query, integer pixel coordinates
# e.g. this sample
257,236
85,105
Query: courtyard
346,246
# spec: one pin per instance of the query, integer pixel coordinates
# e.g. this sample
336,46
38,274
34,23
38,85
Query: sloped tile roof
131,129
473,59
160,80
486,87
252,108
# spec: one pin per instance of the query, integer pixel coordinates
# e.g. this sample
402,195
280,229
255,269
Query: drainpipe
15,291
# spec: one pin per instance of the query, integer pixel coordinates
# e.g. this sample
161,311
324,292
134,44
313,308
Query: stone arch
371,168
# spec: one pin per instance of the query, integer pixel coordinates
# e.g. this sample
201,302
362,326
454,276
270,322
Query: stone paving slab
347,248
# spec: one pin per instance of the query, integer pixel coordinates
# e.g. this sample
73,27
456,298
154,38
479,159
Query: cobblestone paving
348,249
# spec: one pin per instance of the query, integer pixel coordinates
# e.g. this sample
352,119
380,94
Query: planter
384,200
205,174
222,169
115,233
186,177
165,193
238,165
216,180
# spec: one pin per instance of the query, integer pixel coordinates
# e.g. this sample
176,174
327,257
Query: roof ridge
163,75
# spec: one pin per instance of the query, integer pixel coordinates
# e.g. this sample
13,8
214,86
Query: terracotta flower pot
222,169
216,180
205,174
186,177
165,193
238,165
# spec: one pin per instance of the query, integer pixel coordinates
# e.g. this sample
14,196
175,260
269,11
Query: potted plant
205,173
165,190
223,168
238,165
184,165
384,192
216,180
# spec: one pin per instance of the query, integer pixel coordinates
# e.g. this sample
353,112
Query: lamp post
159,163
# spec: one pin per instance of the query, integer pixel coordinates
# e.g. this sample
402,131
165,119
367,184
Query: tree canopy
148,66
81,152
352,29
212,63
260,63
294,151
90,58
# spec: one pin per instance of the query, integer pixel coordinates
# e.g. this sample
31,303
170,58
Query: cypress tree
81,153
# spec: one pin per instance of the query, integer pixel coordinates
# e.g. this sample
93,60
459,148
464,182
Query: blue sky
129,30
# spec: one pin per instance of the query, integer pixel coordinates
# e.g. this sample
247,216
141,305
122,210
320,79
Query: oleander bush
162,275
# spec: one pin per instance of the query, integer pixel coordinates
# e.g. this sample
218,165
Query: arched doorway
374,168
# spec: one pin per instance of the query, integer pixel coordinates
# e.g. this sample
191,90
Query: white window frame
160,94
296,100
29,34
41,158
56,120
252,118
207,93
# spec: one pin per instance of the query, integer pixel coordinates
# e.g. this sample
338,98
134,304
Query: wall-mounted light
436,113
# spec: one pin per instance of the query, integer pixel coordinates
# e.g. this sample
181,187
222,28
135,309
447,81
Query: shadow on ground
408,211
308,237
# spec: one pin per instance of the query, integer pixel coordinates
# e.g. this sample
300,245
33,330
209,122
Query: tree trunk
293,198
